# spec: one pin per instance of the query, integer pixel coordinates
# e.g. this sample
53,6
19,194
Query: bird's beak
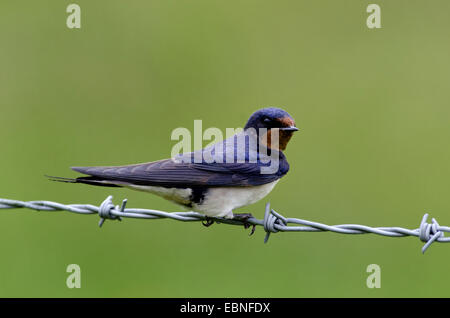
290,128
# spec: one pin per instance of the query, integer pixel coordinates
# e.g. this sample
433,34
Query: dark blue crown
259,118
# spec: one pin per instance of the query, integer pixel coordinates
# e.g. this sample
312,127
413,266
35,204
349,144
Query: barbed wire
273,222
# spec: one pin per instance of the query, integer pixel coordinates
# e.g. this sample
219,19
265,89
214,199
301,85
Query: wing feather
167,173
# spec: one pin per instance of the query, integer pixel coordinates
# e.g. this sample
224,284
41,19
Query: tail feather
61,179
86,180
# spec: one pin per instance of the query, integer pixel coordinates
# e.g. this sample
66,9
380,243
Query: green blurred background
373,107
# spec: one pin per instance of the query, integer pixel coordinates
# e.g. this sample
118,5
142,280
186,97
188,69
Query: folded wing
167,173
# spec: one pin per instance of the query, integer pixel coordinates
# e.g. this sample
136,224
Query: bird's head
269,119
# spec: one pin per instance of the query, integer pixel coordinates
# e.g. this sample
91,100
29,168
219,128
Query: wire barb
271,219
273,222
429,233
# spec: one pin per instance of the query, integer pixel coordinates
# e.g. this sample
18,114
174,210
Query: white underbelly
222,201
217,202
177,195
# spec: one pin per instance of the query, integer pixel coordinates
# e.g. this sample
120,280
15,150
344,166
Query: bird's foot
207,222
243,217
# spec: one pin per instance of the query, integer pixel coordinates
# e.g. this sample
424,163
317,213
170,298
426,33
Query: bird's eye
267,120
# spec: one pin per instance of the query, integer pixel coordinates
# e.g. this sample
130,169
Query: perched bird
216,180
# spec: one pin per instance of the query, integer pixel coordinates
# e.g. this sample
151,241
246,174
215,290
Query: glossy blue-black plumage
266,118
244,170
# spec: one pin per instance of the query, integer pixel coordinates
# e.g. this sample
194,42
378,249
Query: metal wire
273,222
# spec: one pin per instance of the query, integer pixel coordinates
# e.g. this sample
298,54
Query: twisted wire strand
273,222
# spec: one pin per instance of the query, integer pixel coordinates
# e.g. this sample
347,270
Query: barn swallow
231,178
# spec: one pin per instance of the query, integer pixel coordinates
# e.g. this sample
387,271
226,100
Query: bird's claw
208,222
243,217
247,225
